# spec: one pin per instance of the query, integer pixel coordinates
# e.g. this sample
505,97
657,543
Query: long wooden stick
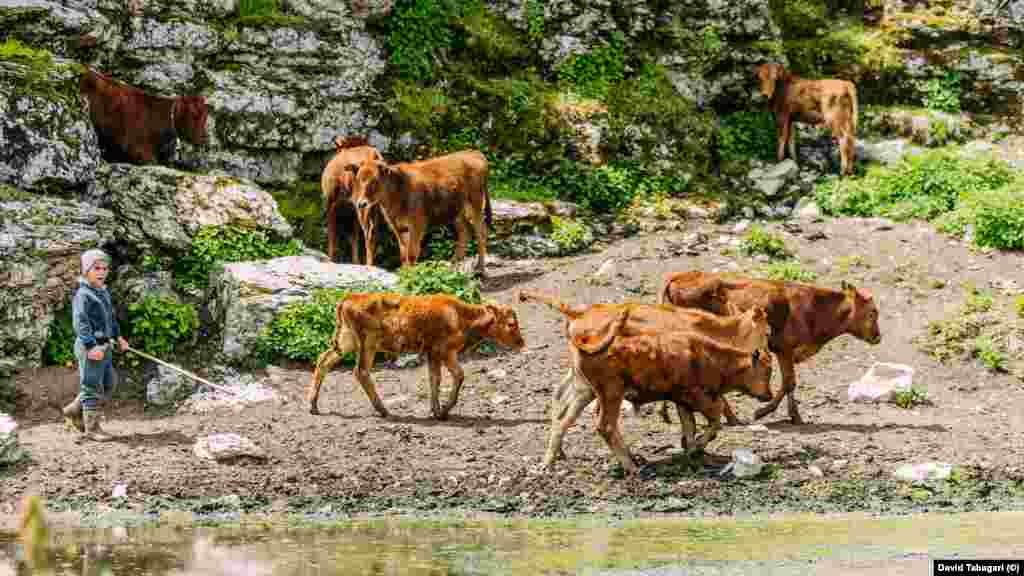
183,371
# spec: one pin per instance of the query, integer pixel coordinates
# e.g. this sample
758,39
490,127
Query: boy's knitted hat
90,257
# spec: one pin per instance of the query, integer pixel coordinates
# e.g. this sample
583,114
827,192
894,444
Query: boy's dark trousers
96,381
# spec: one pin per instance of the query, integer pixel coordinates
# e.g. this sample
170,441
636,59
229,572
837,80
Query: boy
93,319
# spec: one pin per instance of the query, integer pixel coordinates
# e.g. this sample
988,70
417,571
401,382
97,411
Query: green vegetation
592,74
910,398
303,330
943,93
303,207
982,329
939,186
159,325
571,235
264,13
39,68
789,270
217,244
757,240
748,134
990,356
59,349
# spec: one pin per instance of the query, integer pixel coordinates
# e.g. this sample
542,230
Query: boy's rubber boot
73,415
93,431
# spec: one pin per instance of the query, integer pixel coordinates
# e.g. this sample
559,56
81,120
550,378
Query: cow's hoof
763,411
383,414
796,419
314,410
736,422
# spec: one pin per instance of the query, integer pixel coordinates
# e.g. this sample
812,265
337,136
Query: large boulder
47,143
164,208
41,241
245,296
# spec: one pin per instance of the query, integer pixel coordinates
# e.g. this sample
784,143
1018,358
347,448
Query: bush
60,340
591,75
158,325
303,330
571,235
925,186
215,244
418,33
747,134
438,278
942,94
760,241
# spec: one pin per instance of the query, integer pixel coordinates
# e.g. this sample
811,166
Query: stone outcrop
245,296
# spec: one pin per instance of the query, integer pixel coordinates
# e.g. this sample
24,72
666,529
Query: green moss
38,74
12,194
302,206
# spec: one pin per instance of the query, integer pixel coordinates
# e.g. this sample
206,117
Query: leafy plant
419,32
60,340
215,244
910,398
438,278
593,73
747,135
571,235
989,355
534,10
158,324
789,270
259,8
942,94
760,241
303,330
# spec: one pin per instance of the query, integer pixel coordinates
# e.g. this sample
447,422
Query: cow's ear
847,287
756,356
352,168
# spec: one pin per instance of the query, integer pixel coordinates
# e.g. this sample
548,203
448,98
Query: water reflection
452,547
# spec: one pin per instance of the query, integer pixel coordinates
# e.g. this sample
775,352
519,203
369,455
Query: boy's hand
96,353
122,343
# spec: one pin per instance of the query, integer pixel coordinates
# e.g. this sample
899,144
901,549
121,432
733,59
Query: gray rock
41,241
511,217
807,209
46,141
161,207
226,447
245,296
771,180
165,386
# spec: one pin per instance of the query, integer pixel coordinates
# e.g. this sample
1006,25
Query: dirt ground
485,457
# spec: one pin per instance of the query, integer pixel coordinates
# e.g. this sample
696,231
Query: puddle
841,544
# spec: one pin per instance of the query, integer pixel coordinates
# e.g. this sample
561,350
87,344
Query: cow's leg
416,234
370,239
663,412
687,425
458,376
564,415
480,228
367,355
788,370
791,138
353,239
608,428
324,364
460,242
712,410
782,127
434,370
332,231
730,416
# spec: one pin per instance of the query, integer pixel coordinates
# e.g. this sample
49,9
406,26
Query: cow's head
758,378
863,319
501,324
190,113
767,75
372,181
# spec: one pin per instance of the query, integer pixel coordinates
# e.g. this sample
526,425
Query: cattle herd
709,334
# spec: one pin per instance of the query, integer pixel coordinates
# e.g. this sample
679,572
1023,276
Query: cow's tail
488,215
571,312
601,345
853,102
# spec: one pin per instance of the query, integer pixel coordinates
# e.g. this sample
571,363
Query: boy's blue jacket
92,315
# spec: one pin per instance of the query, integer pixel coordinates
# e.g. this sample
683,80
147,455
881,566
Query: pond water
841,544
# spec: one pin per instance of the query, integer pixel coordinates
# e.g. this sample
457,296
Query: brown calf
591,328
688,368
804,318
336,187
414,195
136,127
830,102
436,325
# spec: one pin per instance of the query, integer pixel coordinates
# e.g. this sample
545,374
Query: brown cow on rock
804,318
336,187
436,325
140,128
830,102
688,368
588,328
414,195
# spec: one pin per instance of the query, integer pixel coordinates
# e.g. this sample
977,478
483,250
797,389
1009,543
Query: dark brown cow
140,128
588,328
804,318
336,185
436,325
830,102
439,191
688,368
